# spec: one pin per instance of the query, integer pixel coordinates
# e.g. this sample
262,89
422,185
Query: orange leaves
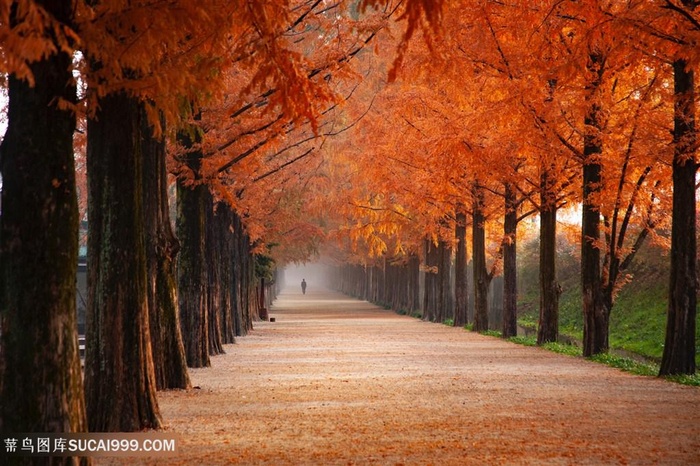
423,15
29,33
161,52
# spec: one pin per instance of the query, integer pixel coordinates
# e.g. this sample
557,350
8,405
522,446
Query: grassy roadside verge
648,369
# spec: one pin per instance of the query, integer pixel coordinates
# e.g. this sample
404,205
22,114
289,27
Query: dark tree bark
596,315
192,262
40,378
482,278
510,285
444,298
226,276
243,270
214,289
679,347
169,360
414,280
548,328
119,375
431,282
461,283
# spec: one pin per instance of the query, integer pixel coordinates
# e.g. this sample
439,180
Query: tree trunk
444,304
595,314
548,328
237,261
510,285
482,279
414,280
679,347
214,289
244,276
162,247
461,283
430,294
226,276
192,277
119,375
40,378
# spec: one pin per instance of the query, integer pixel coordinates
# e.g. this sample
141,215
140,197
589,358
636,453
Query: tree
461,281
192,264
679,347
40,377
118,360
162,248
482,276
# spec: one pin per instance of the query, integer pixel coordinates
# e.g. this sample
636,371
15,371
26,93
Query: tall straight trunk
41,384
510,285
595,314
548,328
482,278
461,283
226,277
431,281
237,261
679,347
245,284
192,261
214,289
414,280
119,374
162,247
444,304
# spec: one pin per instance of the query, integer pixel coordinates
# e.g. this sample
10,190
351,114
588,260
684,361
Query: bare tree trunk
227,278
414,279
162,247
430,297
510,285
461,283
548,328
482,279
595,314
192,262
41,383
119,374
214,238
679,347
444,304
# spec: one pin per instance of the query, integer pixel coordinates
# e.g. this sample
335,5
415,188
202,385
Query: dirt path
339,381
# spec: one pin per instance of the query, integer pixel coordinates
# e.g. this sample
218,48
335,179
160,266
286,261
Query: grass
627,364
647,369
638,317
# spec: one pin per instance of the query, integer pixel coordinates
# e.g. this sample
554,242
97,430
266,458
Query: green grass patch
683,379
492,333
525,341
638,317
627,364
648,369
449,322
563,348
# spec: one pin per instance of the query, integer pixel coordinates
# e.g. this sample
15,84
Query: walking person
303,286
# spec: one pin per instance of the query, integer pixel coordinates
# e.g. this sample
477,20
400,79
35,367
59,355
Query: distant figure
303,286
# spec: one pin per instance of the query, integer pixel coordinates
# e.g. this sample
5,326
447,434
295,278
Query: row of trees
232,98
528,109
281,133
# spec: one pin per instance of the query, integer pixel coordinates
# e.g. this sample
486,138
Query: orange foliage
309,135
